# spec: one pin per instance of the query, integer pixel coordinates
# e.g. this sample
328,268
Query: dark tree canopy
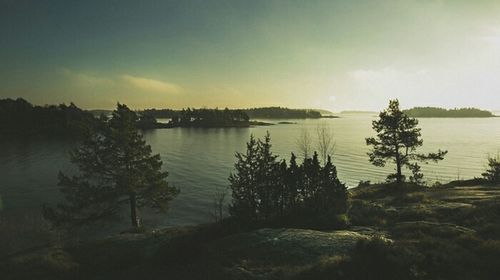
191,117
116,167
433,112
21,119
397,140
282,113
203,117
265,188
234,114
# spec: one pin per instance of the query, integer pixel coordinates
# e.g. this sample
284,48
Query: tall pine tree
116,168
398,137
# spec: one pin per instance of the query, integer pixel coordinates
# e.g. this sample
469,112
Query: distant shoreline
435,112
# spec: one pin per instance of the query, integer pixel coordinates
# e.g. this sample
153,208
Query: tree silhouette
264,188
397,140
492,174
21,119
116,167
243,182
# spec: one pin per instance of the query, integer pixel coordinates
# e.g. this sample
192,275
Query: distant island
434,112
282,113
252,113
207,118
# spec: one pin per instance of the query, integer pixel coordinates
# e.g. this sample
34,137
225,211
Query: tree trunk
133,211
399,176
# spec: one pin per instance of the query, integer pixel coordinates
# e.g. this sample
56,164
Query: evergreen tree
264,188
292,183
268,177
311,180
397,139
116,167
243,182
492,174
333,195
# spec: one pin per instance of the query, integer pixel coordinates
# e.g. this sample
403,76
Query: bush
492,174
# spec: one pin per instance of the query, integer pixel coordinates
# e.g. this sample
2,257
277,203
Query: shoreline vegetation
435,112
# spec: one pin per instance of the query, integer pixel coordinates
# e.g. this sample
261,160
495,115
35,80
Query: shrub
492,174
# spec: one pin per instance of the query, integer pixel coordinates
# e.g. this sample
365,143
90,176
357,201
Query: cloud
86,79
151,85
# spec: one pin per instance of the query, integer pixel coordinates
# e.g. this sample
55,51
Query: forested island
435,112
253,113
282,113
208,118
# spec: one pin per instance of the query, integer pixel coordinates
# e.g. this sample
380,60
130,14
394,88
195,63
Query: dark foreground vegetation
394,232
116,167
433,112
266,189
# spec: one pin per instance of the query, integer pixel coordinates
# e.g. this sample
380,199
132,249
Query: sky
334,55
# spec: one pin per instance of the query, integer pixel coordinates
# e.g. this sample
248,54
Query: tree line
282,113
191,117
19,118
264,188
252,113
434,112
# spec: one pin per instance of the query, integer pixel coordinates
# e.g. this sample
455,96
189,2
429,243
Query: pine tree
333,195
292,182
311,180
492,174
116,167
264,188
397,139
268,186
243,182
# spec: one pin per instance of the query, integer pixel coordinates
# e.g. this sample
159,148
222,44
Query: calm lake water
200,160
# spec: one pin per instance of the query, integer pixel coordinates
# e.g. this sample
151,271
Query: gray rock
256,254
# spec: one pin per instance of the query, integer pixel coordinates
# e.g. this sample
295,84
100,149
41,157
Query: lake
199,160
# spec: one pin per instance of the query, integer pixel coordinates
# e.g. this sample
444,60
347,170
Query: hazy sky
327,54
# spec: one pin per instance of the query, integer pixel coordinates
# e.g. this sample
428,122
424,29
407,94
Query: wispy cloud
122,82
151,85
86,79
